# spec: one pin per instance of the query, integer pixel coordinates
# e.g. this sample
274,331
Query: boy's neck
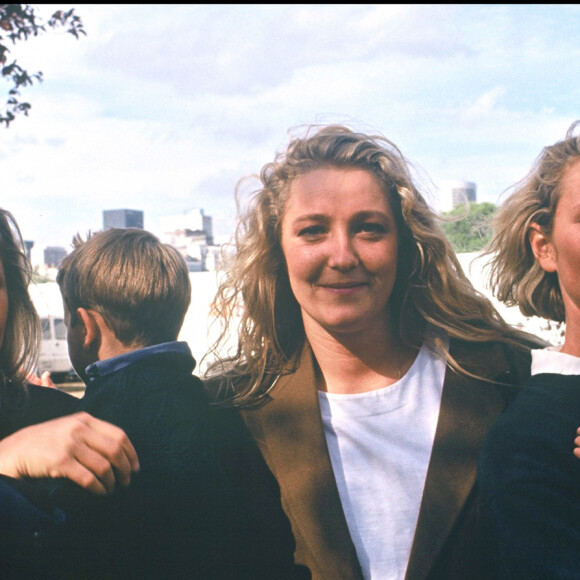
111,350
110,346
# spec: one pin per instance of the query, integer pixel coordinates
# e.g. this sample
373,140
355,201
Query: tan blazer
450,539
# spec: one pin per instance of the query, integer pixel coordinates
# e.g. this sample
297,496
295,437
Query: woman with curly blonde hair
367,369
529,475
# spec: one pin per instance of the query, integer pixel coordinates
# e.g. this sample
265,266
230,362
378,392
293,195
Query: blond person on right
529,475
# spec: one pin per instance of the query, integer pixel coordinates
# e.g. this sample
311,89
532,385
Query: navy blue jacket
530,482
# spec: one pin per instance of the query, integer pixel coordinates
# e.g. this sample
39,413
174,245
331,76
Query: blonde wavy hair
21,344
514,275
431,287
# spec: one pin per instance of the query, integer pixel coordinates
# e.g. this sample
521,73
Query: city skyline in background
191,231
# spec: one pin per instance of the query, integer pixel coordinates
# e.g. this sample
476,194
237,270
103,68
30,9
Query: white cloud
484,105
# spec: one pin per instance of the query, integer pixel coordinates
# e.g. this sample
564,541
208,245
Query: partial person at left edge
40,435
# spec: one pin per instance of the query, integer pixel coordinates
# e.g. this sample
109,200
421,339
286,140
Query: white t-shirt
380,445
551,360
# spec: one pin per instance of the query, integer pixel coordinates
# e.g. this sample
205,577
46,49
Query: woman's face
339,239
3,303
562,254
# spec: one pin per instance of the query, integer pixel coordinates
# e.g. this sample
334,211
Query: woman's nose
342,254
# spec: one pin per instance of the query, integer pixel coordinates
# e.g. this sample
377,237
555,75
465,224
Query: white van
54,349
53,355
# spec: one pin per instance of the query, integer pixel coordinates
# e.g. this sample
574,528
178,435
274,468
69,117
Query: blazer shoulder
494,361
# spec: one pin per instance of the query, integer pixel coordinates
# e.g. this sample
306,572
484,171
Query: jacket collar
290,434
468,409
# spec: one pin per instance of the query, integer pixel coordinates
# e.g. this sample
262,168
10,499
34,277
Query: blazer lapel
468,408
291,437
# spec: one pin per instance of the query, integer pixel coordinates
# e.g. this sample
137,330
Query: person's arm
577,443
94,454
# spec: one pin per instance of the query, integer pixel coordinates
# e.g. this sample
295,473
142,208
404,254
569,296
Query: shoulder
550,400
536,430
494,360
164,369
45,403
149,388
221,388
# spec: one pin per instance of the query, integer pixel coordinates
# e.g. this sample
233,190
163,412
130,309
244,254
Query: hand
577,443
43,380
94,454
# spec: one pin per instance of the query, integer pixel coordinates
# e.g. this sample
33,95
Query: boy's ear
542,248
91,327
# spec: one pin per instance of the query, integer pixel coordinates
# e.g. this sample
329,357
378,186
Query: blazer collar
468,409
290,434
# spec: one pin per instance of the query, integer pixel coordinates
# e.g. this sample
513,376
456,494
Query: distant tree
19,22
468,227
39,278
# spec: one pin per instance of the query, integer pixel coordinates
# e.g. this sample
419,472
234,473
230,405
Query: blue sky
164,107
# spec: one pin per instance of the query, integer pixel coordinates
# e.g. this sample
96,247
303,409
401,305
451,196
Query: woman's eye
372,228
311,231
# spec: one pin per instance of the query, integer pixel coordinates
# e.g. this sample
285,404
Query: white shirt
380,444
551,360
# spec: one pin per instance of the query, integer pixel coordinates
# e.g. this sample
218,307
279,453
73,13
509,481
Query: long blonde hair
515,276
431,287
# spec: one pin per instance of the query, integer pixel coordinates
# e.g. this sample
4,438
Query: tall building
122,218
453,192
28,245
194,221
53,255
192,234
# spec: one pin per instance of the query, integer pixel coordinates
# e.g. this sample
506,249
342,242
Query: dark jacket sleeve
27,518
530,482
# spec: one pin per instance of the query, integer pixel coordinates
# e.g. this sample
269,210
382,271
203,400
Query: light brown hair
139,285
515,276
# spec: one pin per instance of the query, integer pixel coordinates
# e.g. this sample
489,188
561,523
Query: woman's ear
92,331
542,247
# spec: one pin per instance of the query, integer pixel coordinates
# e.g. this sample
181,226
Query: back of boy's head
139,285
